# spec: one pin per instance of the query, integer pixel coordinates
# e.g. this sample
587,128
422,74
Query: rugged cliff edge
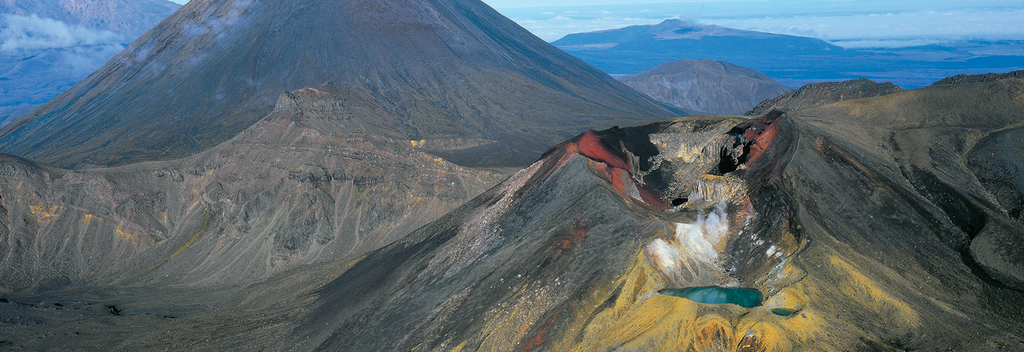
887,223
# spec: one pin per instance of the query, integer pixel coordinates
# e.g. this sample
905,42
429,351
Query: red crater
613,168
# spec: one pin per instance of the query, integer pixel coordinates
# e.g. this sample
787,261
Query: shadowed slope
446,69
855,240
299,187
888,223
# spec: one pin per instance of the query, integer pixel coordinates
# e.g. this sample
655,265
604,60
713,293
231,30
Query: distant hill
46,46
706,86
823,93
447,70
791,60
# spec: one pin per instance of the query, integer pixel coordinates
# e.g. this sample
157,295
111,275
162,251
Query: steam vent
467,191
881,224
860,225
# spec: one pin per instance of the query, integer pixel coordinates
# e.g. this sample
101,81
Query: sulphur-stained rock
856,222
860,225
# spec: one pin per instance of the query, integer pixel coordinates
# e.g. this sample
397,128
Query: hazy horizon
851,24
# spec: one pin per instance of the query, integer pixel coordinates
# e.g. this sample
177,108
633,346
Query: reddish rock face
857,232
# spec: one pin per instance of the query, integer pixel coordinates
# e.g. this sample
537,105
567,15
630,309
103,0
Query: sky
849,23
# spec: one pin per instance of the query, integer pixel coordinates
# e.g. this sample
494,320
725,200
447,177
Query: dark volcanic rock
988,77
863,225
823,93
860,223
447,69
706,86
305,185
857,221
885,223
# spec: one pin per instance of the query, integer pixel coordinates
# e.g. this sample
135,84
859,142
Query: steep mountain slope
447,69
860,224
705,86
887,223
813,94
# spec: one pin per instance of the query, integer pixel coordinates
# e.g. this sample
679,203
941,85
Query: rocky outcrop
706,86
886,223
841,227
823,93
981,78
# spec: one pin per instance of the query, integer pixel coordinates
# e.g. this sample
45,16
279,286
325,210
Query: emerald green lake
743,297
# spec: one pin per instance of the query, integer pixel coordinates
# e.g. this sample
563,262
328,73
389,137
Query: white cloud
892,29
28,33
889,43
81,61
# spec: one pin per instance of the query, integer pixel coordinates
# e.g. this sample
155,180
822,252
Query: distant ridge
706,86
791,60
635,49
447,69
823,93
987,77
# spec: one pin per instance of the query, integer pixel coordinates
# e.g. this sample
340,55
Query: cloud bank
890,28
33,33
41,57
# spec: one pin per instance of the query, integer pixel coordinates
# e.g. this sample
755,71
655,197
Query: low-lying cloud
892,28
32,33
